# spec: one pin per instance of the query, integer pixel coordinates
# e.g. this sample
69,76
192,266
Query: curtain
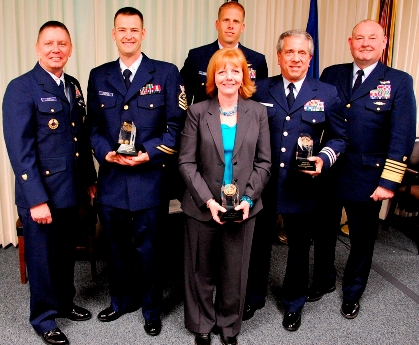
173,27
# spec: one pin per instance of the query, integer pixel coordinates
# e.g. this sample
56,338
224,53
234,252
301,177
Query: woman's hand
244,205
215,207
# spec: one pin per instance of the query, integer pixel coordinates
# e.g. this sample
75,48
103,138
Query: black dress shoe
292,321
55,336
315,295
108,315
202,338
78,314
349,309
228,340
152,328
249,312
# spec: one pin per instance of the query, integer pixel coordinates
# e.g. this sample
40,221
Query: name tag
267,104
49,99
103,93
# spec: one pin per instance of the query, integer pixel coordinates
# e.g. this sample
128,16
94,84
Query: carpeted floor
389,311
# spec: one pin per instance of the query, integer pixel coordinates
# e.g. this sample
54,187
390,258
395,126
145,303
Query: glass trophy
126,139
229,200
304,151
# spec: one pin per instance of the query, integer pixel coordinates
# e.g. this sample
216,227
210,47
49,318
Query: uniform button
75,139
346,120
285,134
73,124
378,164
52,110
77,154
283,149
282,165
151,105
287,118
102,105
47,172
202,84
348,106
378,109
314,120
163,165
24,177
126,107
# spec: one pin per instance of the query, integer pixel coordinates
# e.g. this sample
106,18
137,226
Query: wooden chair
406,198
85,241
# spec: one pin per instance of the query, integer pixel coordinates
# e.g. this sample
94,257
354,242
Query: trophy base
231,215
305,164
127,150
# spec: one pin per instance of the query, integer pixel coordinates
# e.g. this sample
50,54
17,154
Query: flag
313,30
387,19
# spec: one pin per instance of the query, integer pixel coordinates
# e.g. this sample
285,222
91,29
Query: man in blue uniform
299,108
146,95
230,25
49,149
379,107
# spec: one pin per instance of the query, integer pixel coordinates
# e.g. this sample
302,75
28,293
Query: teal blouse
229,135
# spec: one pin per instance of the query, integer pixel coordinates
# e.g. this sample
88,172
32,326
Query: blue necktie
290,97
127,73
61,86
358,80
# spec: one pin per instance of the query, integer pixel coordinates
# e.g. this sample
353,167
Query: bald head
367,43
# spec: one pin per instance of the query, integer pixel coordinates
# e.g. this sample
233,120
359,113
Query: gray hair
295,33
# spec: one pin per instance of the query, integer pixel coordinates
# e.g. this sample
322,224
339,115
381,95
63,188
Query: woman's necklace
228,113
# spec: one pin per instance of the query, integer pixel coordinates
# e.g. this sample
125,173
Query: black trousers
363,222
299,230
216,259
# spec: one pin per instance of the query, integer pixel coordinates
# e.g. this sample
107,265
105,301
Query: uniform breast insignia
383,91
53,123
78,93
49,99
104,93
314,105
183,102
150,89
379,103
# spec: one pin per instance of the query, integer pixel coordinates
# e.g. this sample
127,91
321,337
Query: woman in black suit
225,141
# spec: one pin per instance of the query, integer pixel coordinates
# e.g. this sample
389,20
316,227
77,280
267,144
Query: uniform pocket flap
49,108
51,166
373,160
150,101
313,116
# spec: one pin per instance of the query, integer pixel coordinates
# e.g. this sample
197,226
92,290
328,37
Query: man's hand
92,190
382,194
41,214
135,160
117,158
319,166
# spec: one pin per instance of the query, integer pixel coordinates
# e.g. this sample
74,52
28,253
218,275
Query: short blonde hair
219,60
